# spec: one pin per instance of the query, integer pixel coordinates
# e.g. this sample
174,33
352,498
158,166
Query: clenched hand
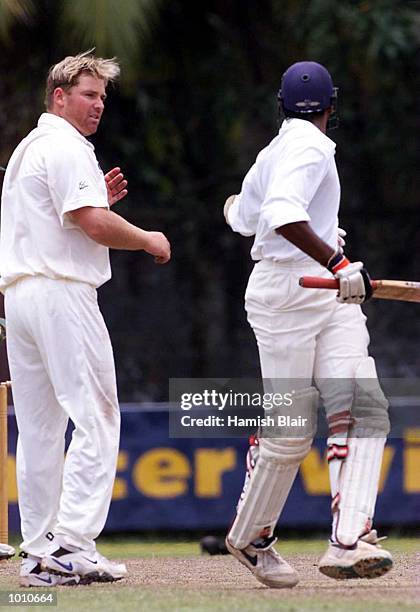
158,246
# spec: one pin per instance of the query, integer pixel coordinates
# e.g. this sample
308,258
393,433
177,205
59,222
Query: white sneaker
90,566
6,551
266,564
31,574
110,569
367,560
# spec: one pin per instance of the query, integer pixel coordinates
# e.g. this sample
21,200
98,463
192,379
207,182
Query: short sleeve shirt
293,179
52,172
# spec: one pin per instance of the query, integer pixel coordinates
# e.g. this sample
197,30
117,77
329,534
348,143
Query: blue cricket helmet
306,87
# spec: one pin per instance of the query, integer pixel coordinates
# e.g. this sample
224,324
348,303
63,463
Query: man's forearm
111,230
302,236
116,232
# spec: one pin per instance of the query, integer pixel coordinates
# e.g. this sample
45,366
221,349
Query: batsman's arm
302,236
355,285
109,229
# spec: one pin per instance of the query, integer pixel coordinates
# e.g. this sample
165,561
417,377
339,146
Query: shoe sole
288,582
374,567
105,578
37,585
86,579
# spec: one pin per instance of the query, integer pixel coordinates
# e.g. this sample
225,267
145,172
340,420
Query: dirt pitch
401,585
223,579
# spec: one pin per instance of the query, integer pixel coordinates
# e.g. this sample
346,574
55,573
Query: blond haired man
56,230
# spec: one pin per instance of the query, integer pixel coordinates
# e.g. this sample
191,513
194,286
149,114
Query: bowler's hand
115,185
158,245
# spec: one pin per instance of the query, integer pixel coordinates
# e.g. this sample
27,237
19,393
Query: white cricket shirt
53,171
293,179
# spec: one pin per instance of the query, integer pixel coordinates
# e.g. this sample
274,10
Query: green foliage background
196,103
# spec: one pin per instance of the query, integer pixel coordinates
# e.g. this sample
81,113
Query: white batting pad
355,475
271,479
263,502
358,488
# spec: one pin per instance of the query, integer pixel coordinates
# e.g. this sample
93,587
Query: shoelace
269,554
372,538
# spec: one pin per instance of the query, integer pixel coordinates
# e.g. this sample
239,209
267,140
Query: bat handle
317,282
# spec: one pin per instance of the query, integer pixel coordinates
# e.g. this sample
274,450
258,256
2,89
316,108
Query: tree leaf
113,27
12,11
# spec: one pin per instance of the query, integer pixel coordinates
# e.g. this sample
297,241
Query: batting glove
340,239
355,285
226,207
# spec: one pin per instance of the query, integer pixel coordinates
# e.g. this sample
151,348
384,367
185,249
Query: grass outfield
173,575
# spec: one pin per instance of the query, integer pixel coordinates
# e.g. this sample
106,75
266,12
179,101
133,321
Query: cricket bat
406,291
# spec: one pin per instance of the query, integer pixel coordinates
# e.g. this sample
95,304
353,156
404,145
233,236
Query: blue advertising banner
171,484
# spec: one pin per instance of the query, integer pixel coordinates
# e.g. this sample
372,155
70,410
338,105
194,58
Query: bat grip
317,282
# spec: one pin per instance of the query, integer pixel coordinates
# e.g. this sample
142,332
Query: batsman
289,201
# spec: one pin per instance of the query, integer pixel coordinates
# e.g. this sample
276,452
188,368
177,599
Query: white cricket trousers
303,333
62,367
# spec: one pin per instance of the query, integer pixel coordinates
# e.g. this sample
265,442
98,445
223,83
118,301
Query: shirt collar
51,121
302,124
